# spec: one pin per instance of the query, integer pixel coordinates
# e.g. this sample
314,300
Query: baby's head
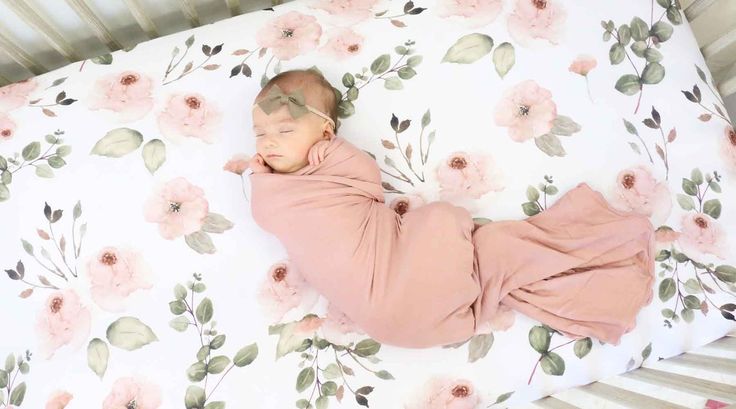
283,140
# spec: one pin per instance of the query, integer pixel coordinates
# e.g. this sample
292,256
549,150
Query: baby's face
283,141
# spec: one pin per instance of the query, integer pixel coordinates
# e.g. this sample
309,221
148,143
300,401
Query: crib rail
42,19
684,381
714,25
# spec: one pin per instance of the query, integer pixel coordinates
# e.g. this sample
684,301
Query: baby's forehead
272,119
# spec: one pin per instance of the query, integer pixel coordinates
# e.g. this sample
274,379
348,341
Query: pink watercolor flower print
474,13
284,289
59,400
178,207
307,327
715,404
237,164
290,35
7,127
445,392
728,148
701,235
17,94
527,110
343,43
114,274
582,65
63,321
338,327
407,203
665,237
190,115
468,176
131,392
638,191
502,320
535,22
128,94
346,12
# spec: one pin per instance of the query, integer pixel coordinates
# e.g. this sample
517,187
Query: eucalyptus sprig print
321,381
59,270
60,99
119,142
276,68
549,143
695,96
126,333
644,36
189,68
692,188
501,398
243,67
644,355
646,352
534,206
381,68
687,292
200,316
57,82
674,262
104,59
540,337
31,155
409,10
472,47
655,122
478,345
405,152
8,377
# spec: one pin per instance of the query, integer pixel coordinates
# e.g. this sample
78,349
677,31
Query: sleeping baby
430,277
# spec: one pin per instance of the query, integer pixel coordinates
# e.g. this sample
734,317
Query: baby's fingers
258,165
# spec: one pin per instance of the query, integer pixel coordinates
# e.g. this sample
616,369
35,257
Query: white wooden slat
576,396
234,7
720,45
627,398
697,8
705,362
727,87
19,55
551,402
727,343
187,7
140,16
700,387
34,19
95,23
665,393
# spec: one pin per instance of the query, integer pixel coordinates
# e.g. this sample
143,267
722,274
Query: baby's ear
327,132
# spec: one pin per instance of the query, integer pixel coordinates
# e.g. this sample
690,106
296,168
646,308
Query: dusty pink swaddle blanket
427,279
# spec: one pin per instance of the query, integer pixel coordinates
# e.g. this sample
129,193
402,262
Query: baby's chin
282,165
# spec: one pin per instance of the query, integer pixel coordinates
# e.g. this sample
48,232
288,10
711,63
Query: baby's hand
258,165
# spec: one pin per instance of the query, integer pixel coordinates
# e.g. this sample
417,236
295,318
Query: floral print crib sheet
134,276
